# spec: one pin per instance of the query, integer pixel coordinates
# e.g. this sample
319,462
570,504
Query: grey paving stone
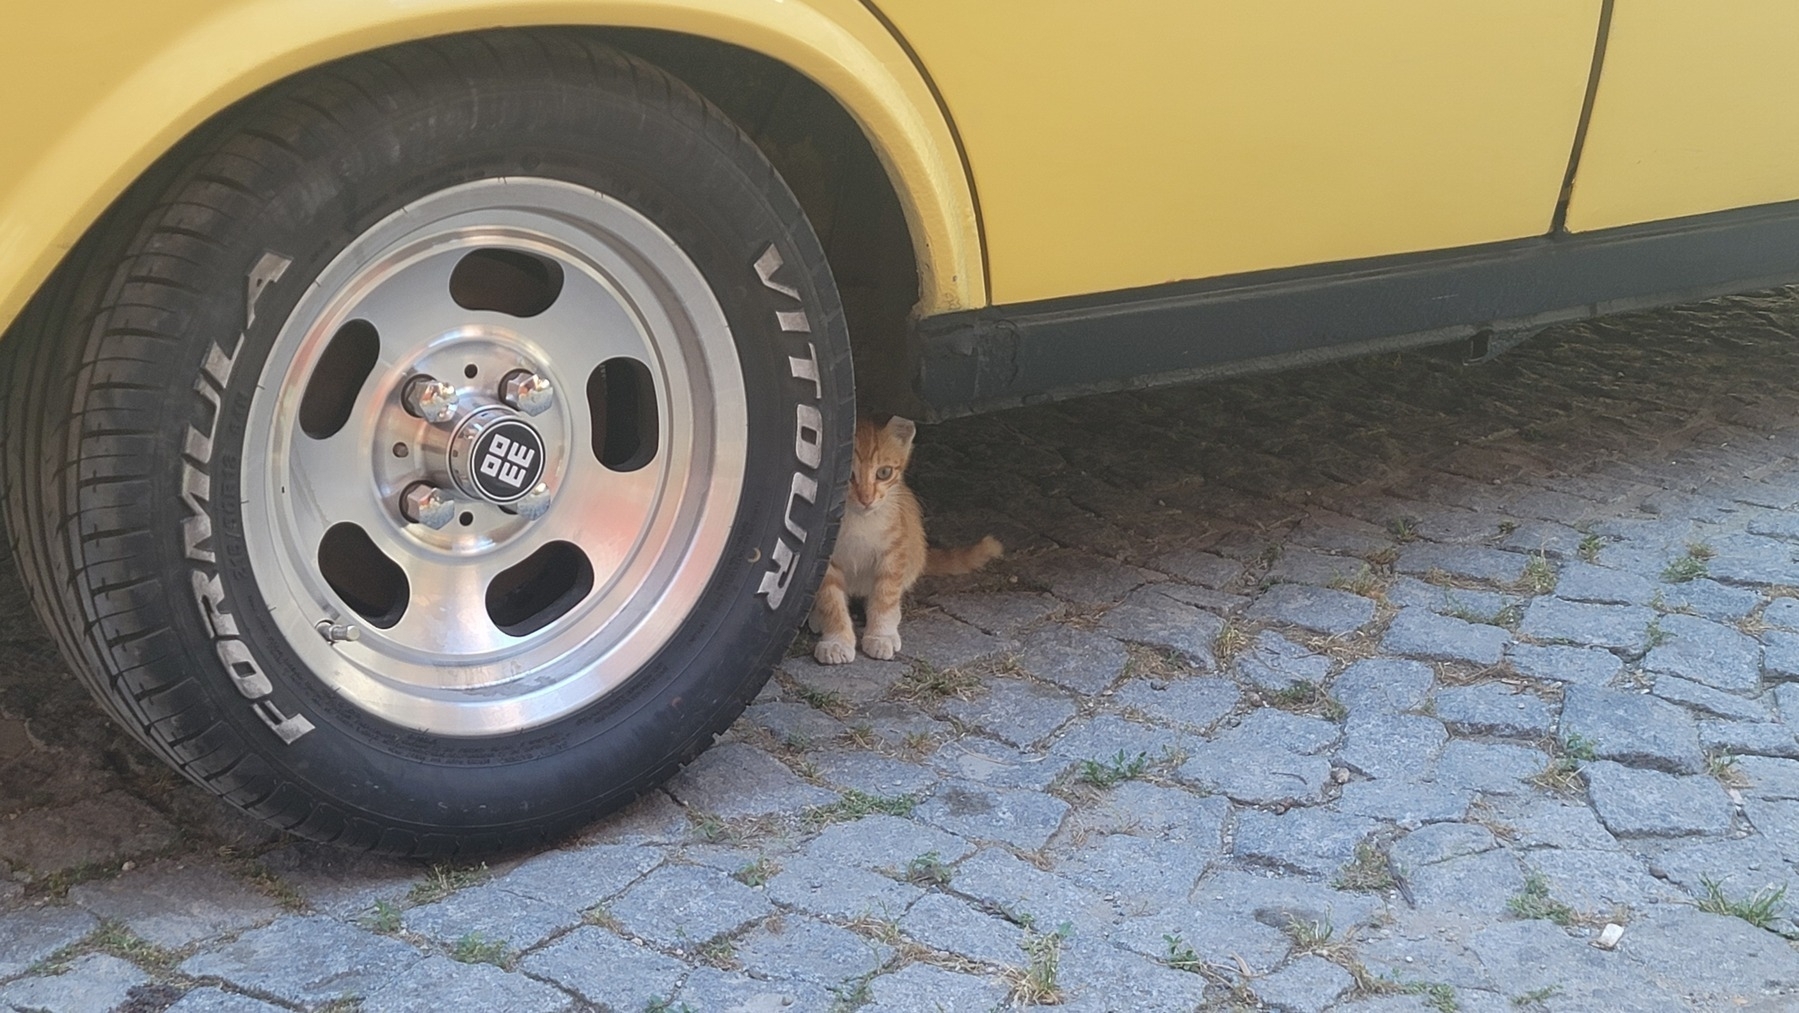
96,981
602,968
1275,663
1220,938
734,780
1782,613
579,879
1780,655
1632,728
1320,609
861,681
1703,699
1469,561
1649,803
1597,881
1542,821
1023,819
1312,841
990,762
1777,820
885,843
1077,659
1017,711
1139,875
708,988
899,725
1223,603
1743,738
1196,703
1725,956
1405,803
1002,613
1203,568
809,950
1786,701
494,916
1084,578
944,642
173,904
1306,985
925,988
1478,884
682,906
439,983
1375,685
1339,533
1277,900
1000,881
1424,944
1156,811
1109,734
944,923
1440,842
1740,867
654,818
1401,746
1580,581
1584,666
29,936
1492,768
1551,540
1748,559
1255,775
836,890
1710,599
1770,778
1279,729
1097,977
793,722
215,1000
1707,652
342,883
10,892
1420,633
1533,954
1300,565
305,960
872,773
1493,709
1622,628
1462,603
1150,617
94,831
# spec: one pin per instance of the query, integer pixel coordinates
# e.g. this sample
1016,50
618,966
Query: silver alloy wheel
646,533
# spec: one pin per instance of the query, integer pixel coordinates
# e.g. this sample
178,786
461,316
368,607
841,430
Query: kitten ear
902,429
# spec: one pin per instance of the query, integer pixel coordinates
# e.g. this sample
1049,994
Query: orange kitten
881,549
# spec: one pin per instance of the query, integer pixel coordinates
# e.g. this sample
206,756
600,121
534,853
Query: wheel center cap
497,456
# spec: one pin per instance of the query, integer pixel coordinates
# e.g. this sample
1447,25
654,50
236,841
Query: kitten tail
967,559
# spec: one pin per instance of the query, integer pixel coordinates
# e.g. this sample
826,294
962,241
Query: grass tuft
1757,909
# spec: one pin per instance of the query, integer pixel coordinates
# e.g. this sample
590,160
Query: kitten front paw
835,652
814,623
880,645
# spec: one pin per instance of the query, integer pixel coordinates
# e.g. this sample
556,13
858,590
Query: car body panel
97,90
1694,113
1116,146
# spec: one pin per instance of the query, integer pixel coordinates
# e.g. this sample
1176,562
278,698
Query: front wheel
439,448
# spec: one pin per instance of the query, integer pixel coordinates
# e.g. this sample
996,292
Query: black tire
108,392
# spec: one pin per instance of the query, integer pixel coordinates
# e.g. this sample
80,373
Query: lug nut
531,505
528,392
337,633
423,503
429,398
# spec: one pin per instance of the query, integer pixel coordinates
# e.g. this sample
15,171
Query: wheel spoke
603,512
333,484
584,327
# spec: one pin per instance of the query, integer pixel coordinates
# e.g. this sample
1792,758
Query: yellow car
425,423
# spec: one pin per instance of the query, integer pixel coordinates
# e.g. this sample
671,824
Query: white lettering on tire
808,434
196,528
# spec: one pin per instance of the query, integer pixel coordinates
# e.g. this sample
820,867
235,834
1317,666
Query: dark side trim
1009,355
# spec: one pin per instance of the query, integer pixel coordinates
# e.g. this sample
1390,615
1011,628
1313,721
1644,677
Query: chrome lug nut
423,503
527,392
531,505
429,398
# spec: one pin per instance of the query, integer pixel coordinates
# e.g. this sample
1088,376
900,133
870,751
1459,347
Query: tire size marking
196,529
808,434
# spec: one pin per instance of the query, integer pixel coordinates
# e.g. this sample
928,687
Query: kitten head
882,452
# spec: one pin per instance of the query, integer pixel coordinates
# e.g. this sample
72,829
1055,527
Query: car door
1694,113
1115,146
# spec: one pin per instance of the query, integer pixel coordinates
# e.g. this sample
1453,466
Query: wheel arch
835,46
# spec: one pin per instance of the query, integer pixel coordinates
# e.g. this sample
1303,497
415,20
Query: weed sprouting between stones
1179,955
1366,581
1534,901
928,870
667,1005
1562,775
1146,662
923,684
756,873
1539,575
1310,936
1690,566
1308,696
474,949
1370,870
1535,998
1036,984
856,804
1229,642
1725,768
1757,909
1106,773
829,701
384,918
442,880
1590,545
1404,529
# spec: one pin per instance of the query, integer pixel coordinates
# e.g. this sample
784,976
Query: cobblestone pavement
1370,688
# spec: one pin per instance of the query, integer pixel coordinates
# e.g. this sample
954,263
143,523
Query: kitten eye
884,474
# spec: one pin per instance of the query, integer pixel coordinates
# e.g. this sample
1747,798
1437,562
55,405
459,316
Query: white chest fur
861,542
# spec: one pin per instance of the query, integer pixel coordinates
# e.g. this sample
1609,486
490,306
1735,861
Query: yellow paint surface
1697,110
92,92
1122,144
